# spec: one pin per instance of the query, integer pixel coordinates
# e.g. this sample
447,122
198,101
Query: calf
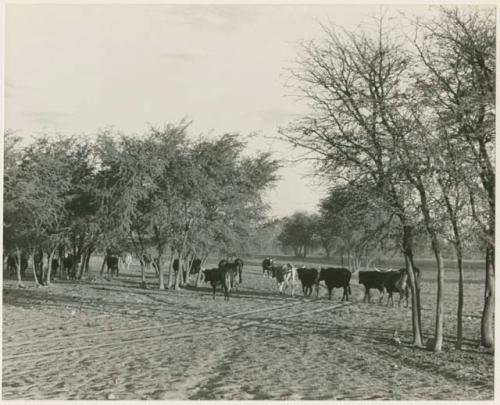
285,274
267,267
308,278
336,277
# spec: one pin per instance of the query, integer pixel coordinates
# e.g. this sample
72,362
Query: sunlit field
109,339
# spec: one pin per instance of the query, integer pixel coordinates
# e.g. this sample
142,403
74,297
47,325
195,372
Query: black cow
212,276
372,279
220,276
398,282
308,278
267,267
112,265
70,263
335,277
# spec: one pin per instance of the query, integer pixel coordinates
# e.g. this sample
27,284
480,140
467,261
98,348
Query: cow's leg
330,289
213,287
382,294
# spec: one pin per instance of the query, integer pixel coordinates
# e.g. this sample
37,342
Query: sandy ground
109,339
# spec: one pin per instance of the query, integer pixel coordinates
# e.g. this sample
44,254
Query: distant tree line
160,196
401,123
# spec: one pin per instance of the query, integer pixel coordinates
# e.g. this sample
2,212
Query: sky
76,69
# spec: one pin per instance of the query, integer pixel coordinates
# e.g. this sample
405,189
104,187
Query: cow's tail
349,289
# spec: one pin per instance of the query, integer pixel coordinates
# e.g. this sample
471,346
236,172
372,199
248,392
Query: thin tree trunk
487,336
143,271
49,264
202,264
160,273
439,328
170,268
87,261
460,306
103,264
178,273
81,266
18,268
414,286
35,278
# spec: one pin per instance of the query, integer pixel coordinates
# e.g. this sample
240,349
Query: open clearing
110,339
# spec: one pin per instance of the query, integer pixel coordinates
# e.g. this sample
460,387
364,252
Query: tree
298,233
358,222
457,51
348,80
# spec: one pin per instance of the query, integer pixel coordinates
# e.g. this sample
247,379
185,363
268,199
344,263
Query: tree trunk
170,268
104,264
35,278
414,286
60,254
83,258
50,256
487,327
143,271
178,273
460,306
18,268
439,328
87,261
202,264
160,273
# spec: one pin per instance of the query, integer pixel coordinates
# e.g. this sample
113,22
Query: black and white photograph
225,201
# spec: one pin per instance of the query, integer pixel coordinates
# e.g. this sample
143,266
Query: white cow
285,275
127,260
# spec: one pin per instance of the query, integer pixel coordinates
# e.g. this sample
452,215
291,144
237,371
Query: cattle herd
228,275
389,281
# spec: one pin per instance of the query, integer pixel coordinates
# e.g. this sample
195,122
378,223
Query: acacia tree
457,51
298,233
347,80
38,198
358,221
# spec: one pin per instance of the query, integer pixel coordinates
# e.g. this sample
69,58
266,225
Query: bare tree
349,79
457,50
